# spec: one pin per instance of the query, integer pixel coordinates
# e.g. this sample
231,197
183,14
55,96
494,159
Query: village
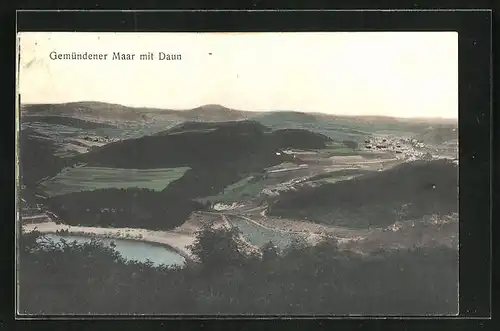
99,139
405,148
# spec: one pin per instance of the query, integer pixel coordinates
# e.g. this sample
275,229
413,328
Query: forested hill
244,126
204,143
406,191
217,156
36,157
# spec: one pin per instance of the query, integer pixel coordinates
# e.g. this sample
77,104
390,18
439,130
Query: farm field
80,179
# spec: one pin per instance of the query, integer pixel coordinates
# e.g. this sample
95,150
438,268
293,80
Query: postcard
237,174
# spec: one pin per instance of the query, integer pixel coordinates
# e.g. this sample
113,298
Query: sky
401,74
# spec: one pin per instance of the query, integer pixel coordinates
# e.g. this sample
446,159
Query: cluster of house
98,139
408,147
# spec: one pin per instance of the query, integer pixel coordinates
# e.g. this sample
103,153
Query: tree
28,241
269,252
297,245
217,248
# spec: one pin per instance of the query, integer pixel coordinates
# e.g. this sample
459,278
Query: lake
131,250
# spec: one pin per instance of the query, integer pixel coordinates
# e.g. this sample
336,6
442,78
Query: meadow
78,179
246,188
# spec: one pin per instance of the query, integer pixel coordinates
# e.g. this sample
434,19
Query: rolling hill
213,113
335,126
89,109
202,144
101,111
193,126
36,157
66,121
438,135
270,118
217,155
407,191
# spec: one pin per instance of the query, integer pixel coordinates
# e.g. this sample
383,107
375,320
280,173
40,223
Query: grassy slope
91,178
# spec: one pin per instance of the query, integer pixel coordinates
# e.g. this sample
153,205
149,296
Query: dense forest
407,191
131,207
36,157
199,144
91,278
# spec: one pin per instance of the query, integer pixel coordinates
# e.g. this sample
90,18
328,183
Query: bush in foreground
91,278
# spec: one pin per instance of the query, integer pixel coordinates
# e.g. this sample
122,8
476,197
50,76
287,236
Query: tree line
130,207
90,278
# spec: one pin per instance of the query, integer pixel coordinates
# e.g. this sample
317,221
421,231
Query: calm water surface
132,250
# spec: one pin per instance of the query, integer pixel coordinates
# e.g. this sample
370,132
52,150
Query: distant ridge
210,112
82,107
90,111
286,116
102,110
67,121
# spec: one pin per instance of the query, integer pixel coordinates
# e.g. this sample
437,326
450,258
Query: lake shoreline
169,239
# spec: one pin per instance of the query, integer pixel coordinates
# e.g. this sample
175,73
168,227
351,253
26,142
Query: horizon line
241,110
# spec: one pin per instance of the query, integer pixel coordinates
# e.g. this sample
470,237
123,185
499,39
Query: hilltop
193,126
107,111
200,143
93,111
212,112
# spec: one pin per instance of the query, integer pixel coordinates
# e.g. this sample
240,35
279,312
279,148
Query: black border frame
475,112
